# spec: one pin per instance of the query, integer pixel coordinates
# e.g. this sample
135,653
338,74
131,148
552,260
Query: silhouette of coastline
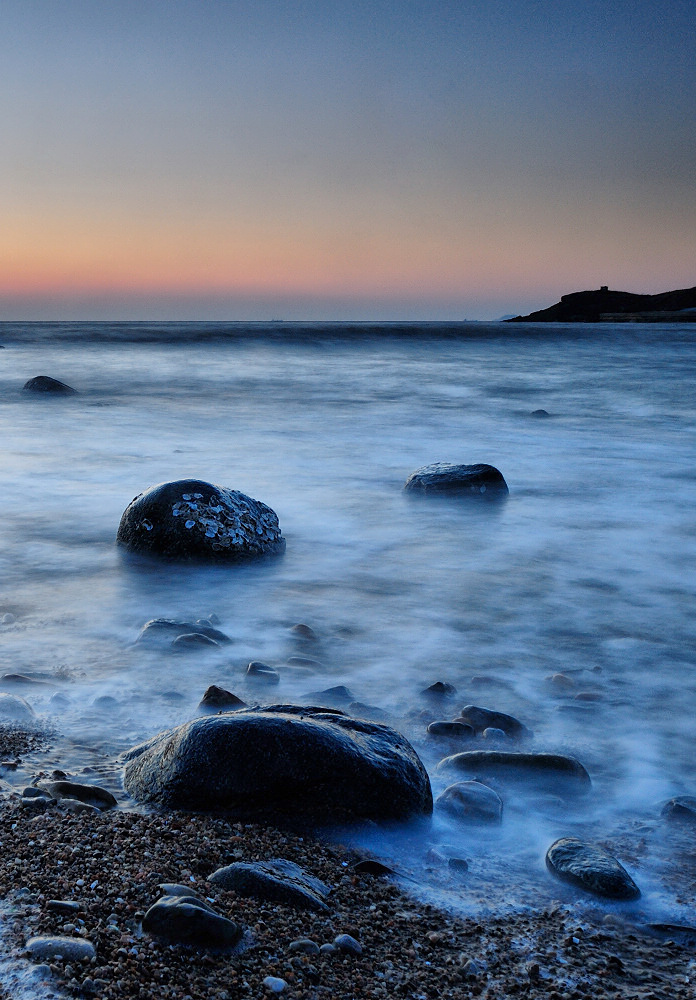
606,306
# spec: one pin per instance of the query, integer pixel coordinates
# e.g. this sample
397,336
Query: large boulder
590,868
282,762
445,477
190,520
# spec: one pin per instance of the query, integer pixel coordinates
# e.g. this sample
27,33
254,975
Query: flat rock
484,718
445,477
282,761
277,881
48,386
71,949
193,521
93,795
540,771
472,802
590,868
190,920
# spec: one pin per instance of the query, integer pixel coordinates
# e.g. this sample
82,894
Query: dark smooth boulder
471,801
451,730
163,631
46,385
282,762
190,920
276,881
591,868
93,795
483,718
547,772
194,521
445,477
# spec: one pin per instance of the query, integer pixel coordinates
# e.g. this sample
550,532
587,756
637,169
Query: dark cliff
606,305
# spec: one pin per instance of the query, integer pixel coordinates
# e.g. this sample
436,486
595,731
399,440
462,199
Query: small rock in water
540,413
304,661
194,640
8,619
304,633
440,689
494,735
484,718
217,699
549,772
451,730
161,632
15,708
46,384
479,480
681,808
333,696
92,795
262,673
590,868
471,801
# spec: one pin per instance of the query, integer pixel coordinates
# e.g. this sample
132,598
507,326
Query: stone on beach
446,477
93,795
193,521
47,385
15,708
591,868
71,949
540,771
282,761
190,920
277,881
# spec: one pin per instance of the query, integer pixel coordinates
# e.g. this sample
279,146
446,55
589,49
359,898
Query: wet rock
540,413
162,631
191,520
261,673
590,868
282,761
451,730
549,772
369,866
681,808
274,984
15,708
190,920
191,641
440,689
471,801
445,477
277,881
304,661
483,718
333,696
70,949
217,699
46,385
92,795
495,735
7,619
304,633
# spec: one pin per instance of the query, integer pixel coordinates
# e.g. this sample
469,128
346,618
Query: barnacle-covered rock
191,520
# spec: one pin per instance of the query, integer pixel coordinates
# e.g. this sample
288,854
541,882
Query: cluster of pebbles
90,877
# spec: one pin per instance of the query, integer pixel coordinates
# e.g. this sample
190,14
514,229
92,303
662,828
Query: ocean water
586,570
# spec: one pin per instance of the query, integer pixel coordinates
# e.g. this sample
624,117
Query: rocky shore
90,876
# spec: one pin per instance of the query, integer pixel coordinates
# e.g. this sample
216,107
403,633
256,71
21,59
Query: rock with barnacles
282,761
445,477
194,521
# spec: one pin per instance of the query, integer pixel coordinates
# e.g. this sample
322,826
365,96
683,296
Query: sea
569,605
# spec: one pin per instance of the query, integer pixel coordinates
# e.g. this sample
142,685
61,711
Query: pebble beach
89,876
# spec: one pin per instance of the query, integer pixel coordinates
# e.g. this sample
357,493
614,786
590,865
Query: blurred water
585,570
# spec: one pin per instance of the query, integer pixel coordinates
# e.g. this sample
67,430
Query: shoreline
111,864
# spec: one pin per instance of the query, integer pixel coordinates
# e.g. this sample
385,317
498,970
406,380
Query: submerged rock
282,761
191,520
445,477
190,920
277,881
481,719
440,689
46,384
262,673
471,801
163,631
590,868
540,771
93,795
681,808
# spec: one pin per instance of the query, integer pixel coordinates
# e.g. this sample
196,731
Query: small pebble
274,984
348,944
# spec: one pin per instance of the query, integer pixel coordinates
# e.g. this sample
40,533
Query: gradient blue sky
225,159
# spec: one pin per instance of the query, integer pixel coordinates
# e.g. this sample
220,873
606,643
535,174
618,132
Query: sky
342,159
